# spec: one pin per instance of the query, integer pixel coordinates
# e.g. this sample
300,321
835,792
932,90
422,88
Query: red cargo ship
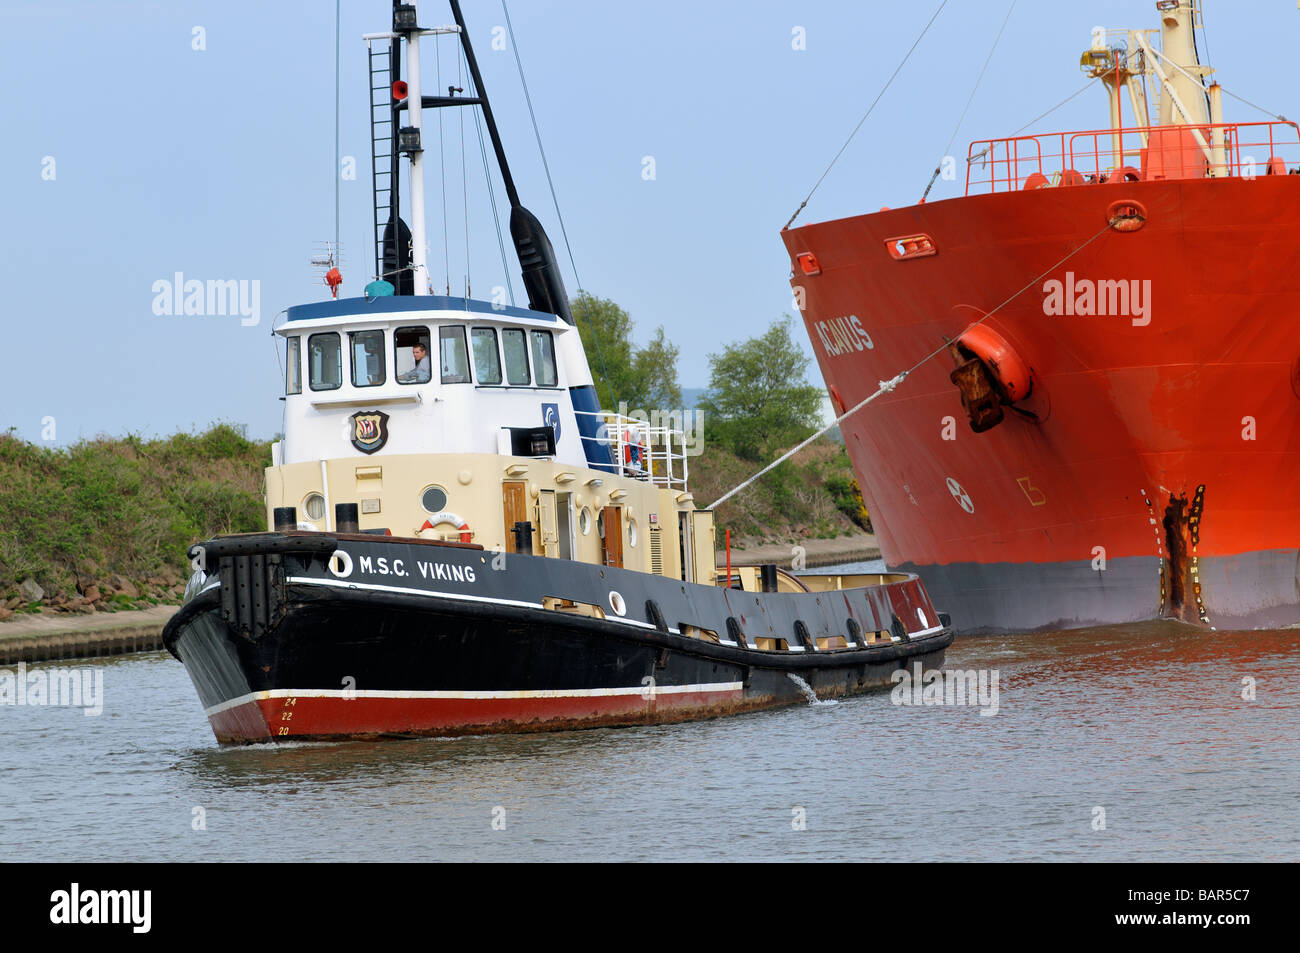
1103,420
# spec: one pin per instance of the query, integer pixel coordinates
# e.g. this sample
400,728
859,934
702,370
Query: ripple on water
1144,722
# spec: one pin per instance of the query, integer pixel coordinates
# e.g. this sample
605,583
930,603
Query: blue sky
219,163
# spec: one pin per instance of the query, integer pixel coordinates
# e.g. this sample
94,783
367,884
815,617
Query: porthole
314,506
600,525
631,532
433,499
584,521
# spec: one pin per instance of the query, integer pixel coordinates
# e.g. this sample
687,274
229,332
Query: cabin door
611,540
546,523
514,498
686,550
564,523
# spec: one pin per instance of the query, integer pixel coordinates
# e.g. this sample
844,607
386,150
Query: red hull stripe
346,694
286,713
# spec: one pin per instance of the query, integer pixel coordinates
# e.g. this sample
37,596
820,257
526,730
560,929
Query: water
1145,722
808,692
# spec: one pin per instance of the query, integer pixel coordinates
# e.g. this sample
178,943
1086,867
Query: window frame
383,356
338,343
464,343
496,349
528,364
537,334
292,364
428,338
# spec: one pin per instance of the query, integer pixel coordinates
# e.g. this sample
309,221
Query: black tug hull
422,639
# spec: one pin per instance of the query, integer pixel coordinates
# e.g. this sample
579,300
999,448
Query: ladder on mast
381,149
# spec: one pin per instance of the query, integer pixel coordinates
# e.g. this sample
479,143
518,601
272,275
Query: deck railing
656,454
1219,150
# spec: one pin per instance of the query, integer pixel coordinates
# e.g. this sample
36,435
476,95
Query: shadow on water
557,752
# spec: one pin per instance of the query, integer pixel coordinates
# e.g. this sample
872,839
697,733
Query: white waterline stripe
344,584
711,687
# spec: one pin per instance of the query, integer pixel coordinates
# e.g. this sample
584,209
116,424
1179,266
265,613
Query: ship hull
303,655
1154,468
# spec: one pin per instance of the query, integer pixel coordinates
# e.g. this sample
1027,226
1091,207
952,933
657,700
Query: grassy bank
105,523
811,496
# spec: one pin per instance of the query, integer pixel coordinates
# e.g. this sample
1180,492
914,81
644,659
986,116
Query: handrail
1238,149
656,454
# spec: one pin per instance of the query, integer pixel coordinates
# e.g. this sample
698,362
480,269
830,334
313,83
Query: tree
758,401
645,378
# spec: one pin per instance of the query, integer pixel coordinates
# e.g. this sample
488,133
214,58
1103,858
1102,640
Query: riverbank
104,524
49,636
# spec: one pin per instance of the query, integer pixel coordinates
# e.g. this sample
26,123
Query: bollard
286,518
523,531
346,519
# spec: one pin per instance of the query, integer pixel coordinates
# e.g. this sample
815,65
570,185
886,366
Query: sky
142,140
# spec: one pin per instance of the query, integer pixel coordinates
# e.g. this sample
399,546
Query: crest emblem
369,430
551,418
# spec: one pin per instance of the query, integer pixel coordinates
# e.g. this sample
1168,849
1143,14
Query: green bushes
124,506
812,495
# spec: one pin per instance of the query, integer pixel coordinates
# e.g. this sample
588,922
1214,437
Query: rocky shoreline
95,593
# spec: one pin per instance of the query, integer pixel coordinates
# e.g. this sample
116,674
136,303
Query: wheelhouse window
487,361
516,351
293,365
325,357
454,355
544,359
367,358
411,350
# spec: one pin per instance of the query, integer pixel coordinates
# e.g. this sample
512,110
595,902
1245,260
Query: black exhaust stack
541,273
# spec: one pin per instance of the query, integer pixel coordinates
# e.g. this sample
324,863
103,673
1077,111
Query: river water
1128,743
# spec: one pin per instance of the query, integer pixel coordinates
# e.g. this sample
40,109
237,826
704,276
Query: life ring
1008,368
437,519
635,455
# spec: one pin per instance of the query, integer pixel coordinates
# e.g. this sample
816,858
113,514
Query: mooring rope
947,150
864,117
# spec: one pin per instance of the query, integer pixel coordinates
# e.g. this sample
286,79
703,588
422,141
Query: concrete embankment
817,552
48,636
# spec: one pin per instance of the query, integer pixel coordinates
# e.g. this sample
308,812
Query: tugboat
462,542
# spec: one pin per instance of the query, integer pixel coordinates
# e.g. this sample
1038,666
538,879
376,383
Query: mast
541,273
409,141
1186,101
